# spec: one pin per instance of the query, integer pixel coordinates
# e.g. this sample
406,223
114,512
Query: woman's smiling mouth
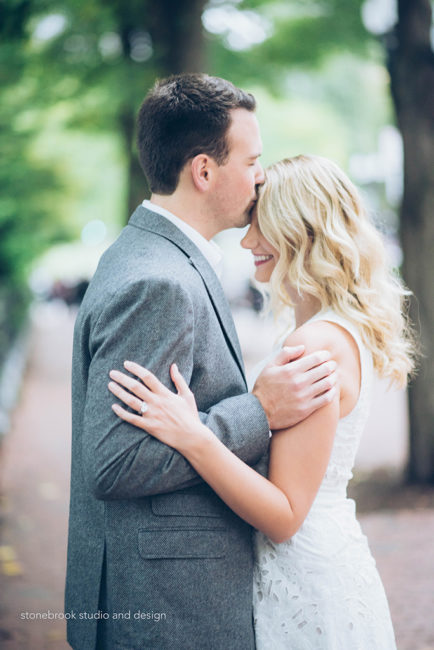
261,259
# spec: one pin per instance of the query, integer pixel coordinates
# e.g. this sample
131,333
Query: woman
315,585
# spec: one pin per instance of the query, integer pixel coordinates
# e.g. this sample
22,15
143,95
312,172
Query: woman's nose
248,241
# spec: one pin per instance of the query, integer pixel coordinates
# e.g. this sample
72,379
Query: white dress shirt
209,249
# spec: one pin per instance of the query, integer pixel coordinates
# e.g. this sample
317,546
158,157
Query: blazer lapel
221,305
152,221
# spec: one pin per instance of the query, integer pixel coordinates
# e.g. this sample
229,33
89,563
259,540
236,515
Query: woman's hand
170,417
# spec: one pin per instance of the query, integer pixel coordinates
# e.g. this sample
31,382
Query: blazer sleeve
152,323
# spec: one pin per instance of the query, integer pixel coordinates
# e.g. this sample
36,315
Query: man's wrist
256,393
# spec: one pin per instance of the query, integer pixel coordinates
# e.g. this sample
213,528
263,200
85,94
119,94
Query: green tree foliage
29,222
99,59
300,34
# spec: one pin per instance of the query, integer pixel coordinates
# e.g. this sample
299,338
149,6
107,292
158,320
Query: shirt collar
209,249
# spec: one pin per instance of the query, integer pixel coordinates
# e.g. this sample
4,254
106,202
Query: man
155,559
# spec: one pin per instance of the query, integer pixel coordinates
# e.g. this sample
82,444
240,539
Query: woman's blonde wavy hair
311,212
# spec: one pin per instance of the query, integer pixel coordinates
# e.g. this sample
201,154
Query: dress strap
331,316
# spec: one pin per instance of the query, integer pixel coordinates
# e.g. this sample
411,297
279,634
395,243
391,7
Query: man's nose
260,176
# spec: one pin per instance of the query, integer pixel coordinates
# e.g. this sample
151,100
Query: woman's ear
201,171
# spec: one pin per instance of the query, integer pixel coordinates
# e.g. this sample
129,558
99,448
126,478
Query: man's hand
292,386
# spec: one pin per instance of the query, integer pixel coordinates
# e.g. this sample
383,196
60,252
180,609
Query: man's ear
202,171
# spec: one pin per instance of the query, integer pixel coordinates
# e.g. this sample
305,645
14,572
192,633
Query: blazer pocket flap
182,543
184,504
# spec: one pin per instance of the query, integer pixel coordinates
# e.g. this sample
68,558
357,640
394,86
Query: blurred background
352,80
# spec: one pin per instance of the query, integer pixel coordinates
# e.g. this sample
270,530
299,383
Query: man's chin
242,221
246,217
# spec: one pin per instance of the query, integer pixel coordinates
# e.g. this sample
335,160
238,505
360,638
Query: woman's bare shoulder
320,335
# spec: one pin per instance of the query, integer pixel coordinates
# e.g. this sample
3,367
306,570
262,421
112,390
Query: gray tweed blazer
148,541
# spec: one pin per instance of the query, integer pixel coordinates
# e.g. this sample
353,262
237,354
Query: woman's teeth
260,259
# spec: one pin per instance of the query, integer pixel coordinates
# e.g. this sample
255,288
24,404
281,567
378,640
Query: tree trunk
411,65
137,185
177,33
177,38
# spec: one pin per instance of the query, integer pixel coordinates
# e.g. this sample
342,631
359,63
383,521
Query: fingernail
115,407
176,367
112,374
128,364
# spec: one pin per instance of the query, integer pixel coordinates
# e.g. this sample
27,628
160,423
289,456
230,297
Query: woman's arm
298,456
298,460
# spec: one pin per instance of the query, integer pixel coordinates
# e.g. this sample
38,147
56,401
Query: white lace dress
320,590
